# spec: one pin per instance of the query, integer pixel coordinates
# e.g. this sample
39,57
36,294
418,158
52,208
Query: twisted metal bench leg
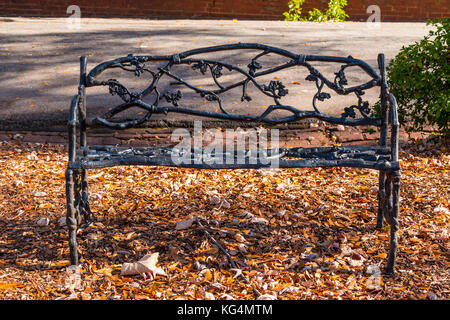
83,195
72,217
388,208
387,203
381,197
394,222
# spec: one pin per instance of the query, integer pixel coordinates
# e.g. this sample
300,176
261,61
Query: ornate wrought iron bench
157,99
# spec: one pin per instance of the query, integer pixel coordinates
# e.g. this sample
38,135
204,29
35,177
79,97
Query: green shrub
335,12
419,78
295,10
316,15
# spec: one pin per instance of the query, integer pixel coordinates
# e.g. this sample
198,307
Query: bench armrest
77,114
389,112
72,127
395,125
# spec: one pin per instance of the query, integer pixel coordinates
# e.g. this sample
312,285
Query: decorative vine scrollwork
209,96
274,89
202,66
135,65
116,88
321,96
253,67
340,80
173,97
216,70
277,89
139,67
362,107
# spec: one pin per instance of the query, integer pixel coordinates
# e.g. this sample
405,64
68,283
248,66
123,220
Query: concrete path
39,60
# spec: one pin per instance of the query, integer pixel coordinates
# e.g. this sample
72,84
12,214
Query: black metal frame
383,157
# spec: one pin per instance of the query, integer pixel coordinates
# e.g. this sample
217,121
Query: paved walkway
39,58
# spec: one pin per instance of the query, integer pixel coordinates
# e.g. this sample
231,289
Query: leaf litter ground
291,234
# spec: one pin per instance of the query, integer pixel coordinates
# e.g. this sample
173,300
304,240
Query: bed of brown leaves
293,234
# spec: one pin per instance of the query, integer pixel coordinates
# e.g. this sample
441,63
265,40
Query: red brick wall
391,10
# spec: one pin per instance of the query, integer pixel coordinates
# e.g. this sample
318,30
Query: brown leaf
146,265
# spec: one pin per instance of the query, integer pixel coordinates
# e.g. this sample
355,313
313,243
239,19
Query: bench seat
375,157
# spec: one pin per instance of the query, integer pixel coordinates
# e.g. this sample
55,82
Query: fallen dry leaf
186,224
147,265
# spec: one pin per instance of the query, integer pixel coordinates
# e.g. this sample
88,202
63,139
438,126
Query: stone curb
307,137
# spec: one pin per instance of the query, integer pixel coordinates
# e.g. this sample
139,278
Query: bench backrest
157,98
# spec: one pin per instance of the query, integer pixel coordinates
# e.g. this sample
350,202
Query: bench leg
381,197
384,198
387,204
84,186
394,222
71,218
84,198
